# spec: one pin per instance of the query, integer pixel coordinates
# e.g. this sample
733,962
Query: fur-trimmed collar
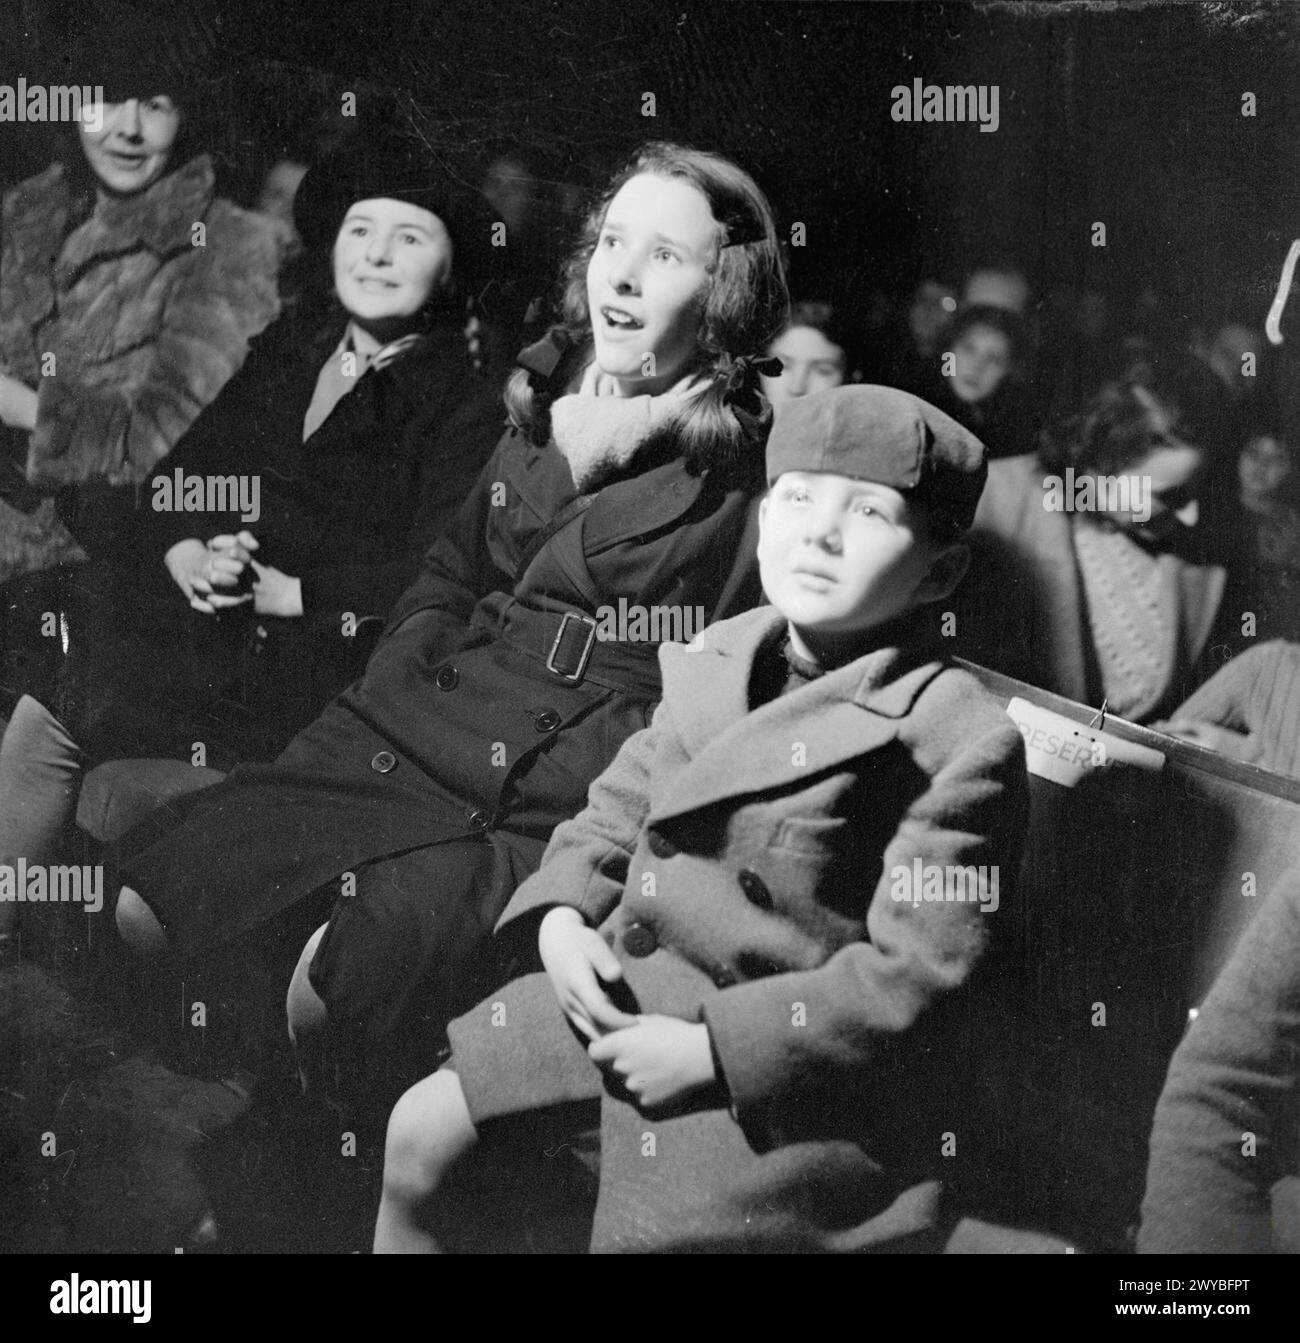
36,214
600,433
161,218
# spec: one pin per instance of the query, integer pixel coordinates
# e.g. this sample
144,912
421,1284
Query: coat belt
565,643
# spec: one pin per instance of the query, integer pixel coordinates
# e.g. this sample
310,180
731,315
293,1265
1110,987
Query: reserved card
1059,749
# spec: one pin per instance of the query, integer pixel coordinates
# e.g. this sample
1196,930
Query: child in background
751,975
976,378
817,352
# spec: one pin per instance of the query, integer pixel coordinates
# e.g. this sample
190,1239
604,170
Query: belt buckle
592,626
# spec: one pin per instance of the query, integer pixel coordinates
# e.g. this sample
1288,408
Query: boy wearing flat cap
768,939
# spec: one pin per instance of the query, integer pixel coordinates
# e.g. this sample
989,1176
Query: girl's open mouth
620,320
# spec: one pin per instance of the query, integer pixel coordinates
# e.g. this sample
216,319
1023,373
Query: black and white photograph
649,628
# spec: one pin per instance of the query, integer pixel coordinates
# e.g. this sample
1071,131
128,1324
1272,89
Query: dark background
1125,114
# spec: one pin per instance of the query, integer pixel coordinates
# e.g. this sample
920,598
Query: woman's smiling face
389,259
133,145
646,281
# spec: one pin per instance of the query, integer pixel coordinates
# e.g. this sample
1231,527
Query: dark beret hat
140,55
883,435
395,168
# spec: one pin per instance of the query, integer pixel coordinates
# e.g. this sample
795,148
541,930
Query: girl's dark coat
438,778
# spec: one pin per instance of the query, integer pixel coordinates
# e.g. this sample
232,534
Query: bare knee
428,1132
303,1005
139,926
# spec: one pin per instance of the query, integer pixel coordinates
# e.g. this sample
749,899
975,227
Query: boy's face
839,556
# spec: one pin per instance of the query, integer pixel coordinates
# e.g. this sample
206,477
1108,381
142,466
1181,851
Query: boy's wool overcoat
743,867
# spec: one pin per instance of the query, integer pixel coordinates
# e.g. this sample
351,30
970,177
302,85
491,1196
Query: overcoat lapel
733,752
540,485
642,505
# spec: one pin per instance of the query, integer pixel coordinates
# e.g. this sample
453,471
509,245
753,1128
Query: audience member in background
528,203
1225,1145
1091,577
996,287
1266,479
1265,475
1250,709
103,273
817,352
976,379
1235,354
929,315
353,431
279,187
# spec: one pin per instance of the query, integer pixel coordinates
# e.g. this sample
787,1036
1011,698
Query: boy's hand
658,1060
577,958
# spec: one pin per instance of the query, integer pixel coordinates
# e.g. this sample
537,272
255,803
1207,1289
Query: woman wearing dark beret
276,536
410,810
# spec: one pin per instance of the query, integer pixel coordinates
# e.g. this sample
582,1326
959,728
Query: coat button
546,721
480,820
723,978
447,678
639,941
661,846
383,762
755,889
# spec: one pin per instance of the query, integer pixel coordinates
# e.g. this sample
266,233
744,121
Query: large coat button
480,820
383,762
755,889
639,941
660,845
546,721
723,977
447,678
